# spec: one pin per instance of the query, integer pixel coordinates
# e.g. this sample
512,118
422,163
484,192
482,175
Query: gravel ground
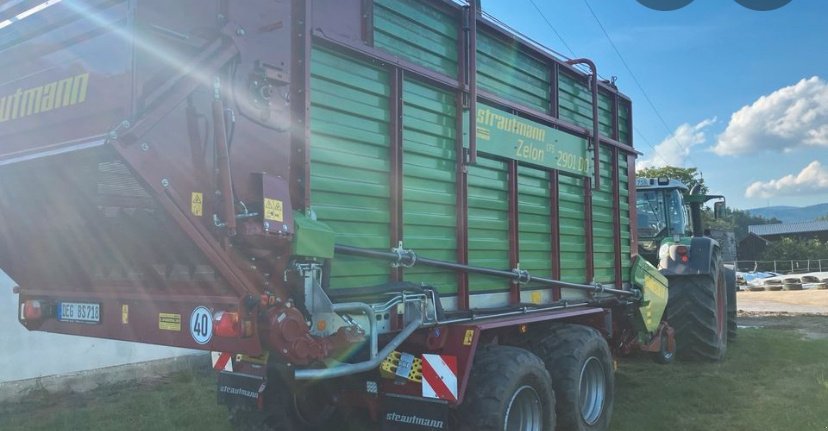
803,310
795,301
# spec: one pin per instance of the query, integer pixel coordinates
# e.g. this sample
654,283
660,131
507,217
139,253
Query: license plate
80,312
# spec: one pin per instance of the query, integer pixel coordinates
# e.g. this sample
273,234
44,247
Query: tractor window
661,212
676,213
650,208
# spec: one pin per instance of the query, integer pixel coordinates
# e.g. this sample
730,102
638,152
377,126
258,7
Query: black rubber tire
566,350
693,310
497,376
773,287
792,286
732,307
280,413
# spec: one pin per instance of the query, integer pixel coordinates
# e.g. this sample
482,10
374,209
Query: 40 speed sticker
201,325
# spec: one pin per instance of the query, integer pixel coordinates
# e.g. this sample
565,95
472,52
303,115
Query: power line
647,141
635,80
549,23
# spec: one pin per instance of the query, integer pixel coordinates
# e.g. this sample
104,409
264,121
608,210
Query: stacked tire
773,285
792,284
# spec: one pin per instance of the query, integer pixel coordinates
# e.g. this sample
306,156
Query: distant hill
792,214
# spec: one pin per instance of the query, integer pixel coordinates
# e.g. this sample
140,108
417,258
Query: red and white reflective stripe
440,377
221,361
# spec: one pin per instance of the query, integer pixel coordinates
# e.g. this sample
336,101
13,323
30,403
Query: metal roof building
751,247
765,230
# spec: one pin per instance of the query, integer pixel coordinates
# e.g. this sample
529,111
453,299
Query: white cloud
791,117
811,180
675,149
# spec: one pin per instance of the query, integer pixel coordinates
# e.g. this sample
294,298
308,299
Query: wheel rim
593,390
524,411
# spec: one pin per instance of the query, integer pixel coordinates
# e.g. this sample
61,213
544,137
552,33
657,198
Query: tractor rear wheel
509,390
579,361
697,311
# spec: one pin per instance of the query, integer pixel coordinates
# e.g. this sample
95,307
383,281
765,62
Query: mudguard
700,256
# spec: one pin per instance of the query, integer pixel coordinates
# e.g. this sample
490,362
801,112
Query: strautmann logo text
760,5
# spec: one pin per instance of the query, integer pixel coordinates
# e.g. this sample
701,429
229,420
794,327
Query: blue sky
743,94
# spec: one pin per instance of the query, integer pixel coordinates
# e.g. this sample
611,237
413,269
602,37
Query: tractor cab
661,213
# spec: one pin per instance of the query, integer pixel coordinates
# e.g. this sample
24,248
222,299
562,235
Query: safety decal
201,325
197,204
273,210
469,337
221,361
440,377
169,322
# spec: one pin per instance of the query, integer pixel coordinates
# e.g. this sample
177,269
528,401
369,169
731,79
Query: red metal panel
509,321
368,22
472,78
79,98
633,213
462,341
395,127
514,233
300,104
461,191
616,216
555,221
135,317
588,236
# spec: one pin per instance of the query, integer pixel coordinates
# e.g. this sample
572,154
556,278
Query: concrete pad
86,381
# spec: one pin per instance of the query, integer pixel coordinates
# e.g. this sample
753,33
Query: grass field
771,380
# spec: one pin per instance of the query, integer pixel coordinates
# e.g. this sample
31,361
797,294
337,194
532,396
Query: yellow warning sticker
125,314
273,210
536,297
469,337
169,322
483,133
197,204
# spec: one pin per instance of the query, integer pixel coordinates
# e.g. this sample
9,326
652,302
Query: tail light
681,251
31,309
226,324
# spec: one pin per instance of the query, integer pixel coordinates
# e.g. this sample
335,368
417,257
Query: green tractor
671,235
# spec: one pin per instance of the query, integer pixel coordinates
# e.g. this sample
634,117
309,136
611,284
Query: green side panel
534,219
602,222
511,73
418,33
312,238
573,248
350,161
624,116
429,178
624,196
604,114
575,100
488,223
